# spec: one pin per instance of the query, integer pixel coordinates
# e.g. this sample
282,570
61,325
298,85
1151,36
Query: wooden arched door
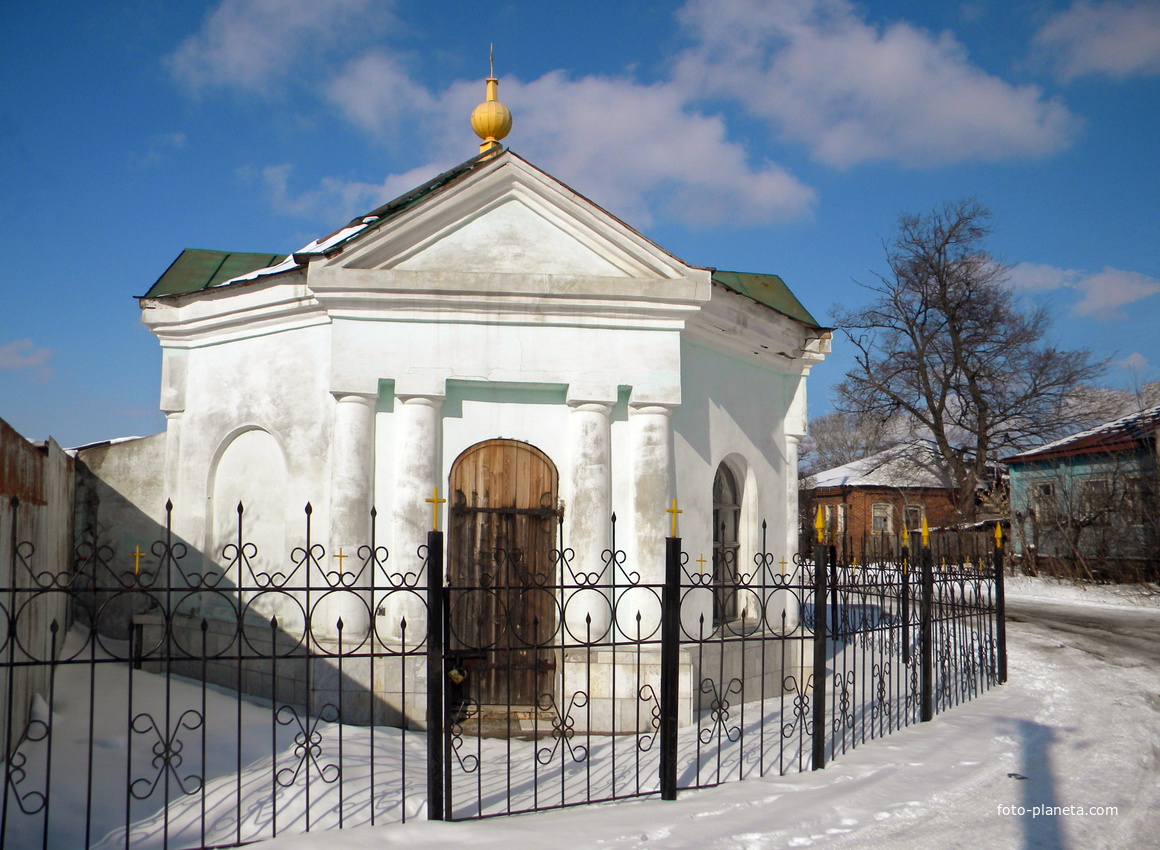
502,585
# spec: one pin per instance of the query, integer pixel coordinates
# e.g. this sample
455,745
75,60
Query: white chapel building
492,338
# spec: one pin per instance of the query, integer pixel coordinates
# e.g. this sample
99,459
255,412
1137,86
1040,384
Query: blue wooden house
1086,505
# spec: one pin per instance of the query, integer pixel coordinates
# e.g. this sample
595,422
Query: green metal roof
195,269
767,289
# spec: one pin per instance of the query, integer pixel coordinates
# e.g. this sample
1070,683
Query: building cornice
739,327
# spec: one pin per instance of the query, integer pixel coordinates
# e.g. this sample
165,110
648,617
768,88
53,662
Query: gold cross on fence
341,557
674,510
435,502
137,555
701,561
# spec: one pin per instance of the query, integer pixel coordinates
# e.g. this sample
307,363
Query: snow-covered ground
1070,729
1044,589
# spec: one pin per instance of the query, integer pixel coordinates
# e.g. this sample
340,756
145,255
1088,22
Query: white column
792,495
173,456
189,515
352,470
417,442
589,515
174,368
650,435
784,561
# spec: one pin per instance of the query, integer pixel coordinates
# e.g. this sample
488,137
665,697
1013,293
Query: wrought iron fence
192,703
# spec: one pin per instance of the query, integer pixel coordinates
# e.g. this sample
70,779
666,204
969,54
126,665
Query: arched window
726,523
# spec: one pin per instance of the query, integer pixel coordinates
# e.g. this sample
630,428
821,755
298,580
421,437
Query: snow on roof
1119,434
315,246
114,441
915,464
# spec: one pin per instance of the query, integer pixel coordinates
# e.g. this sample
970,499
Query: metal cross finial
701,561
491,59
674,510
137,556
341,557
435,502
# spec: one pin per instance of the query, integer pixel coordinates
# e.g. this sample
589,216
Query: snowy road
1125,638
1078,725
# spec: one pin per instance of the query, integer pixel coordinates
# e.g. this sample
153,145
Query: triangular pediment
511,237
510,219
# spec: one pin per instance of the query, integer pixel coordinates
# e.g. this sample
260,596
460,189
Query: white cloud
1134,362
853,92
1103,294
22,354
816,70
1033,276
633,148
376,93
1119,39
637,149
253,44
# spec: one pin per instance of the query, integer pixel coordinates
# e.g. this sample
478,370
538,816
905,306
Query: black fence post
905,591
670,666
1000,610
435,701
832,552
820,651
927,634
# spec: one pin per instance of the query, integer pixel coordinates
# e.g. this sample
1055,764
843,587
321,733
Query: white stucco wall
732,411
508,307
276,384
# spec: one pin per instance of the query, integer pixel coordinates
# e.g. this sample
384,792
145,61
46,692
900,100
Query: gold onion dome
491,120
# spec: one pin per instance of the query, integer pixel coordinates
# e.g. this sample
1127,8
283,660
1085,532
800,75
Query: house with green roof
496,340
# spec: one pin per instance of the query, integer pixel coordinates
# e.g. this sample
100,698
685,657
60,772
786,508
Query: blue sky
748,135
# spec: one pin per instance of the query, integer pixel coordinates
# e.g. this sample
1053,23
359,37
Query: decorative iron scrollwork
563,728
167,751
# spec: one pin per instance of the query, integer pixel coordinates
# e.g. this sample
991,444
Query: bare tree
838,438
947,344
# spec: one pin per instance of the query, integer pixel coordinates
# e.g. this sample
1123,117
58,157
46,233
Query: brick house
866,503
